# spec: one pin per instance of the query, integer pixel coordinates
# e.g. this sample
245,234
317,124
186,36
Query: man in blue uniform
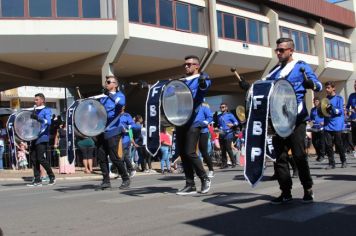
187,136
333,126
108,142
318,130
351,106
39,146
293,71
227,123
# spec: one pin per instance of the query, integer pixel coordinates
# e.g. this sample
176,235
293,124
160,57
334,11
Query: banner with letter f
256,131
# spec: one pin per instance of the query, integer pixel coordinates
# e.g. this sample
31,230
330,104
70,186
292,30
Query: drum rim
22,138
74,116
296,110
191,95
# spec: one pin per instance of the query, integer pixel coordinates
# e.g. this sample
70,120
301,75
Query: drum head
90,118
177,102
26,129
283,108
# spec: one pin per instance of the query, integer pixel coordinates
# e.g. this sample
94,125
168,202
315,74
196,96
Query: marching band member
351,106
113,101
226,123
187,136
40,145
293,71
334,125
318,139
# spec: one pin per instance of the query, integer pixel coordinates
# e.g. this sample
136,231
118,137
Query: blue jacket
198,96
203,118
351,102
137,135
113,106
336,121
126,122
317,120
44,117
295,77
224,119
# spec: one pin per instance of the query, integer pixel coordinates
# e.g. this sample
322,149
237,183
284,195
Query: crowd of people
123,143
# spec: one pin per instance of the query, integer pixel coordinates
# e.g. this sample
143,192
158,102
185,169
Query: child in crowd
21,156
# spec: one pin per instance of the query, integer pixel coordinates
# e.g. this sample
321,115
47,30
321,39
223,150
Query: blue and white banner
70,132
11,133
174,149
153,117
256,131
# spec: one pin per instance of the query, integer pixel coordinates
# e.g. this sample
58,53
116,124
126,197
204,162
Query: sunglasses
109,82
223,107
281,50
189,64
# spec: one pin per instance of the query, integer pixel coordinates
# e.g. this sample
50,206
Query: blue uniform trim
336,121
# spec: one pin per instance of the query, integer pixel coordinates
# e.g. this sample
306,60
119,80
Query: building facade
69,43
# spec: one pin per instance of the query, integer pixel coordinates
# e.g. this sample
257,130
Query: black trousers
203,148
295,142
347,141
127,158
318,141
225,145
39,157
110,147
353,131
146,158
334,137
187,140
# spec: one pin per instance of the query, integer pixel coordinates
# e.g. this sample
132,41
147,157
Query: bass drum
90,118
26,128
283,108
177,103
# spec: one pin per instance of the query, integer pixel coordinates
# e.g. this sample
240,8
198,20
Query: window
67,8
91,8
12,8
149,11
337,50
328,48
263,40
229,26
303,42
166,13
342,51
182,11
40,8
220,32
241,29
296,39
347,53
133,11
252,31
197,19
285,33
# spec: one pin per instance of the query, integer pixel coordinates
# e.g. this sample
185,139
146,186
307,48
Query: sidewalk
26,175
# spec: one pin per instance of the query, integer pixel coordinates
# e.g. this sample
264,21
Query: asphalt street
151,207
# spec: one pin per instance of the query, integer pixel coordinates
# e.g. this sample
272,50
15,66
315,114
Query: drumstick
233,70
78,92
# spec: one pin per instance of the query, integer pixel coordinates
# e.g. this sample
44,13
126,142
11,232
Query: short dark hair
41,95
192,57
286,40
330,83
223,103
316,98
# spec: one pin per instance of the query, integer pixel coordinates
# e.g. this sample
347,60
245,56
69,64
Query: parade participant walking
333,126
188,135
39,146
226,123
318,139
113,101
301,77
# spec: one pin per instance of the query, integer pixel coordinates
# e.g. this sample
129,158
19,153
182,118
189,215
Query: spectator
86,148
2,144
21,155
166,143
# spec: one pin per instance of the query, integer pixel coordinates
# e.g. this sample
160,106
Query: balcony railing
63,9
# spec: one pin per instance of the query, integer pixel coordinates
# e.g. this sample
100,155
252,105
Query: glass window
305,42
40,8
241,29
91,8
285,33
229,26
328,48
67,8
149,11
296,39
347,53
312,44
197,18
263,34
219,16
182,11
342,51
133,11
12,8
166,13
335,50
252,31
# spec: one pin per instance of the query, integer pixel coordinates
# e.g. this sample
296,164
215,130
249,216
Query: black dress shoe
125,184
224,166
103,186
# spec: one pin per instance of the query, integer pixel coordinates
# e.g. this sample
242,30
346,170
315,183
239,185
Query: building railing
169,14
63,9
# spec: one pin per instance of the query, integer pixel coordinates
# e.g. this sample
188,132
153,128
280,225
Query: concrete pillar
121,40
